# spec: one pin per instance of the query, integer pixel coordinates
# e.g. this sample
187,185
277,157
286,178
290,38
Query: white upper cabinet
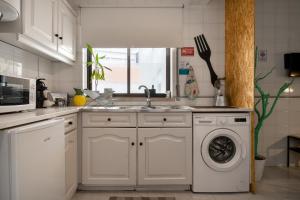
67,31
49,27
40,21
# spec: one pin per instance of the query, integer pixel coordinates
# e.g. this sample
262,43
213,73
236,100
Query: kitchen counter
203,109
219,109
136,109
16,119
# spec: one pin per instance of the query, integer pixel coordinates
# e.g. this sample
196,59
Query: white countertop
216,109
16,119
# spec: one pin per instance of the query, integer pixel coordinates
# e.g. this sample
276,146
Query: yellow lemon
79,100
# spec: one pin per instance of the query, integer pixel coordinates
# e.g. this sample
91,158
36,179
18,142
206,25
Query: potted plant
266,109
98,73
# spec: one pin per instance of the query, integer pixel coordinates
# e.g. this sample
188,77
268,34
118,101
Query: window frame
128,94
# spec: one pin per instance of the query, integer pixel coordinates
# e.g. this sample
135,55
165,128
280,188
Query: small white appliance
9,10
32,161
17,94
221,152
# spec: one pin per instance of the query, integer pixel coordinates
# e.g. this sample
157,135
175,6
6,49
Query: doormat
142,198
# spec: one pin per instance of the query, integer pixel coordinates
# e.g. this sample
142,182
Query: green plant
264,102
78,91
98,73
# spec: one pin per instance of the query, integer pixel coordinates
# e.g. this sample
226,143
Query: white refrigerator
32,161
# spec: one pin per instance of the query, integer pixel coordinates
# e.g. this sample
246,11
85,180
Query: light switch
263,55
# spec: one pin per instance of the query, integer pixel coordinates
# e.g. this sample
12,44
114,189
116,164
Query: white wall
17,62
278,32
208,19
197,19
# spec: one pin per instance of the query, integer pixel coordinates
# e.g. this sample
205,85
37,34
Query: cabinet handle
109,119
132,143
165,119
56,35
47,139
60,38
70,123
141,144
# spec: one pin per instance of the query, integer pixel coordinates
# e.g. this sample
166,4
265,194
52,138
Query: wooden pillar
239,57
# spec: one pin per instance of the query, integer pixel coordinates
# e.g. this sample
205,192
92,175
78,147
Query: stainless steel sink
137,108
166,108
107,107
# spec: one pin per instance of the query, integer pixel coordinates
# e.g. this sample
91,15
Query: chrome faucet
148,95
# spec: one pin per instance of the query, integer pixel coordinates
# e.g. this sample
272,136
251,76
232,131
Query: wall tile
278,35
17,62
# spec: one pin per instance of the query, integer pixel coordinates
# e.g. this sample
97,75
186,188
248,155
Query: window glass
116,60
148,67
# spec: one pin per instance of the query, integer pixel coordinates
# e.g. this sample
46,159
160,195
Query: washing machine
221,152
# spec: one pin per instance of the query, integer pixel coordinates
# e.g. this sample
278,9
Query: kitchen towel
191,89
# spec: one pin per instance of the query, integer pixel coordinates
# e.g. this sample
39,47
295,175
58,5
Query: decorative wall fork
205,53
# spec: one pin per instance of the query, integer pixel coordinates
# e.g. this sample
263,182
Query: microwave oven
17,94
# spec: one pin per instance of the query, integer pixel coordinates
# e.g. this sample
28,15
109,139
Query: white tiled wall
207,19
278,32
17,62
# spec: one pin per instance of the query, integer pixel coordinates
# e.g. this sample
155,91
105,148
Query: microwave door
14,96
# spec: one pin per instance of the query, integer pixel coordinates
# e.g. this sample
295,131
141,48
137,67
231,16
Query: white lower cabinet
164,156
70,122
71,163
133,156
109,156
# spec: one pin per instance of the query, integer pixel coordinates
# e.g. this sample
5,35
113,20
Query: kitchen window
132,67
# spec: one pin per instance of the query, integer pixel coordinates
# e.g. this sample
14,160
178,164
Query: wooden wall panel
239,58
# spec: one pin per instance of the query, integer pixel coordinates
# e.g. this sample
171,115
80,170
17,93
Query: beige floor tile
277,184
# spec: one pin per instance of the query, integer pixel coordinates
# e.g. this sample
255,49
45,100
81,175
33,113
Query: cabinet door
40,162
67,31
164,156
40,21
71,163
109,156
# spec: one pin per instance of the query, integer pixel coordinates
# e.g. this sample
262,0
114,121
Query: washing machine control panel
218,120
240,119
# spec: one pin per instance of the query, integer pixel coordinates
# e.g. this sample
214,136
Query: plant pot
259,168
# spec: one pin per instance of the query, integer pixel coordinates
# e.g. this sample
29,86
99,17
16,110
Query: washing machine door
223,150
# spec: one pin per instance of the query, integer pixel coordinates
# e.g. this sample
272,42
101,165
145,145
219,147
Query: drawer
70,122
94,119
165,119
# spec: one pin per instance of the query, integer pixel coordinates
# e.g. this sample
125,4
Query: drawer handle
141,144
70,123
132,143
165,119
47,139
109,119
